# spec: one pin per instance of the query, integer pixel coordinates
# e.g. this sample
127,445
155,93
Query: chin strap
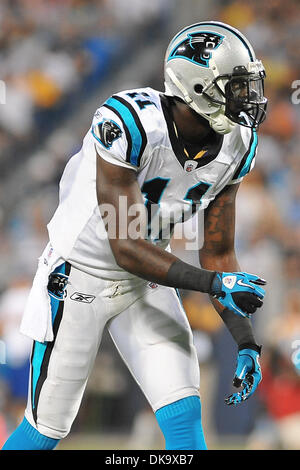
218,121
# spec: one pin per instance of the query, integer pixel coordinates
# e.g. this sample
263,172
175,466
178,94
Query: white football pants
149,328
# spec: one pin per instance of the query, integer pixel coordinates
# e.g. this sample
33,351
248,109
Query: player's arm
140,257
132,252
218,250
219,232
218,253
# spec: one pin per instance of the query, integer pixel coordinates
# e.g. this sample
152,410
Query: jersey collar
203,153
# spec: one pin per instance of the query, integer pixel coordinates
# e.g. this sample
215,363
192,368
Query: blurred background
59,60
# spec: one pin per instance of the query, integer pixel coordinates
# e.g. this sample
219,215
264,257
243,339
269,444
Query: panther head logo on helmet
212,67
197,47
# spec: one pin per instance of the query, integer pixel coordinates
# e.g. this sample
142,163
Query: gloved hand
238,291
247,374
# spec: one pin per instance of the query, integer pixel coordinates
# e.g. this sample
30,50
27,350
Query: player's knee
54,425
180,423
53,430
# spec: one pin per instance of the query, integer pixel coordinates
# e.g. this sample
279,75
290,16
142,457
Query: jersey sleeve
118,134
247,162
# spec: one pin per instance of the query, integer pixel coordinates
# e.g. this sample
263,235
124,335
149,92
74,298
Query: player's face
246,95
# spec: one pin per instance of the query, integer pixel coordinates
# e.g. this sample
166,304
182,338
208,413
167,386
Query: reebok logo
85,298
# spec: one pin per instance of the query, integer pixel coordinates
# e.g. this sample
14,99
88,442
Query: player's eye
239,89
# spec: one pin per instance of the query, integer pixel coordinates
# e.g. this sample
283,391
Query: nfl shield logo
229,281
190,166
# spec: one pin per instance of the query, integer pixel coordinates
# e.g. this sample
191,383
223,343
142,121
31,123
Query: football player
170,154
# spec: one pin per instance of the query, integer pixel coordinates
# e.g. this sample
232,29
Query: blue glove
247,375
240,292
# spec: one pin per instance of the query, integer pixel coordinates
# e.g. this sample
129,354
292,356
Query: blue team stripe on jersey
127,133
134,126
247,165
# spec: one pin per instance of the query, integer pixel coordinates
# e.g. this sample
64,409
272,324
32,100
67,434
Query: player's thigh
155,340
60,369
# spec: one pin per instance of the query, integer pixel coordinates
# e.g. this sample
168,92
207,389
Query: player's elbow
122,261
123,252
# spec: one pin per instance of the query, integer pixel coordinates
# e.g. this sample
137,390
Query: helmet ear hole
198,88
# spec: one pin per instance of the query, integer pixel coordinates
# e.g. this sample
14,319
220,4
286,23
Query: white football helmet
212,67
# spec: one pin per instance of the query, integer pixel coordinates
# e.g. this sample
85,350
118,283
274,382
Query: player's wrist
240,328
216,285
185,276
252,346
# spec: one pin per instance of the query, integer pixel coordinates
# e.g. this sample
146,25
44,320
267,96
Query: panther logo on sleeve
106,132
197,47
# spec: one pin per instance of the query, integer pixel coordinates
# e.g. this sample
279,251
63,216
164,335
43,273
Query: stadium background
59,60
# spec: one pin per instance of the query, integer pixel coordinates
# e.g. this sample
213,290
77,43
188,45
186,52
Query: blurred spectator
49,50
14,373
54,53
280,389
268,219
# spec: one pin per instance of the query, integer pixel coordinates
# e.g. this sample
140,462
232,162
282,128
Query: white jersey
134,129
